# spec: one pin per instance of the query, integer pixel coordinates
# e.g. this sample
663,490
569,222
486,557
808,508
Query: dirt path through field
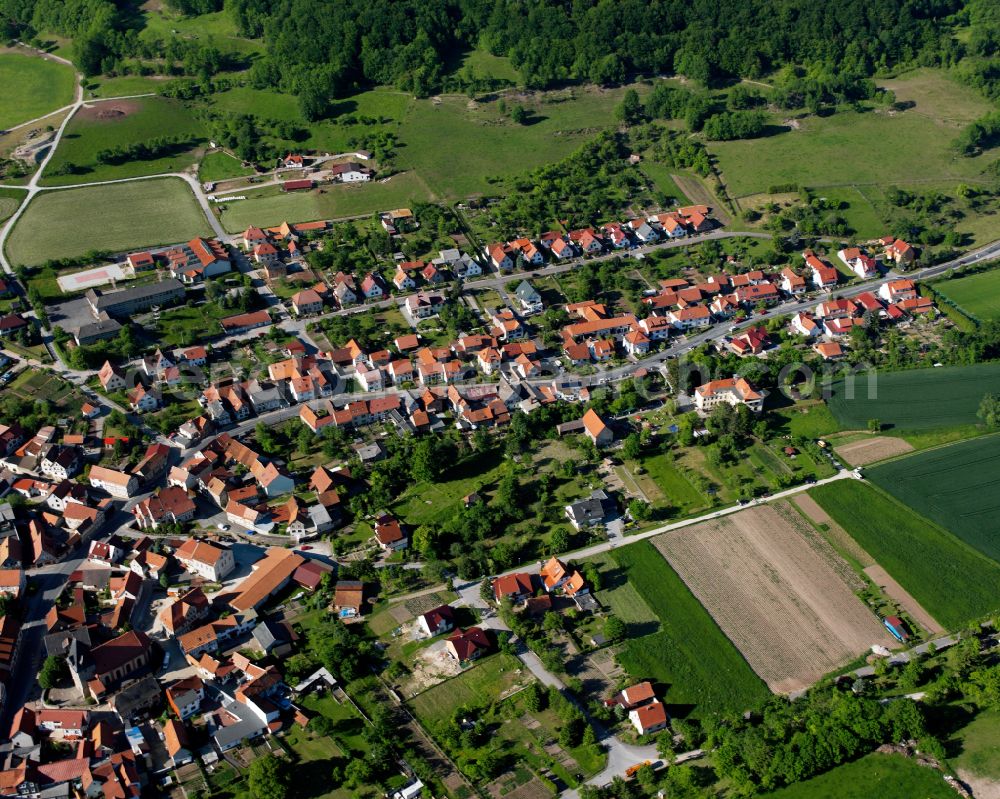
870,450
899,594
838,535
776,595
698,193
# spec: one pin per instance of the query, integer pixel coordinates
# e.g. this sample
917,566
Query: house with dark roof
439,620
466,645
595,509
516,587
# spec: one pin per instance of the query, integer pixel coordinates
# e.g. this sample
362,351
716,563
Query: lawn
120,123
977,295
33,87
978,745
953,582
860,213
218,165
10,200
957,486
918,399
479,685
116,217
268,206
840,149
678,492
807,420
697,668
884,776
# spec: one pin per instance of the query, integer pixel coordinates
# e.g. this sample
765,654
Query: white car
223,527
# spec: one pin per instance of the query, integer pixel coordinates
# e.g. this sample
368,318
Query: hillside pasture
957,486
115,217
838,150
977,295
121,123
951,580
32,87
697,669
918,399
779,593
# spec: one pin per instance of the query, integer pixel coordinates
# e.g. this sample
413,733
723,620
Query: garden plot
779,592
870,450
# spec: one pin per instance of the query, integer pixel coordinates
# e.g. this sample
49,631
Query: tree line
157,147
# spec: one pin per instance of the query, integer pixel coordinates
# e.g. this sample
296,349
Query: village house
348,598
596,430
171,505
515,587
805,325
466,645
436,621
792,282
306,302
649,718
858,262
118,484
734,391
205,559
389,534
499,257
898,251
898,290
594,510
822,275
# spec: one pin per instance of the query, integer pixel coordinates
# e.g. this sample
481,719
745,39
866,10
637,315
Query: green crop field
918,399
977,295
478,685
116,217
697,667
882,776
840,149
33,87
115,123
953,582
957,486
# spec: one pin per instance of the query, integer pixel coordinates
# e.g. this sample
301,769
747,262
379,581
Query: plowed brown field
778,590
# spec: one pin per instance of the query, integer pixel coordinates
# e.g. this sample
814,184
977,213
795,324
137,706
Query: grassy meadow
33,87
957,486
10,201
844,148
118,123
952,581
269,206
884,776
116,217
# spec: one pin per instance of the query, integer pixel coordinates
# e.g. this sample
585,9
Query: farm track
776,594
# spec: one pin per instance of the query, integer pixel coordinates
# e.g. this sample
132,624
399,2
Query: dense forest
321,49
